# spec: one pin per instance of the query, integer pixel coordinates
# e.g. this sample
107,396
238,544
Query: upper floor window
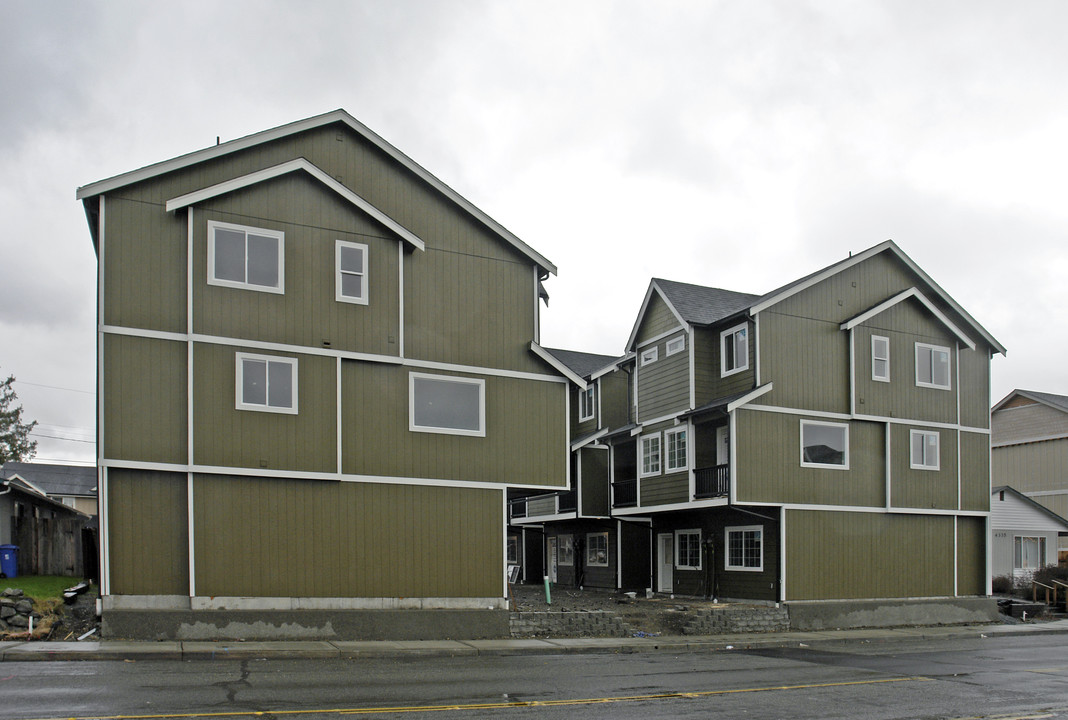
650,355
924,449
734,350
266,383
880,358
824,444
597,549
444,404
650,445
351,263
675,440
245,257
745,548
932,366
675,345
688,549
587,409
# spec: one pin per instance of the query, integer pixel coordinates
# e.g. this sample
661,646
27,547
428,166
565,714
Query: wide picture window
444,404
824,445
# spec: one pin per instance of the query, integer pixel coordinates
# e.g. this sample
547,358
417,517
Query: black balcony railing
517,508
625,493
567,501
712,482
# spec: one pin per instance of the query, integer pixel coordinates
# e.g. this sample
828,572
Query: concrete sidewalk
198,650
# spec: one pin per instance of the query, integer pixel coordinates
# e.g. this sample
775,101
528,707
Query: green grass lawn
40,587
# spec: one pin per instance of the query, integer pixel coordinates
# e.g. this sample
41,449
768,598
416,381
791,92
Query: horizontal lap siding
664,489
838,555
542,505
145,403
302,538
525,440
710,384
663,386
147,542
769,464
224,435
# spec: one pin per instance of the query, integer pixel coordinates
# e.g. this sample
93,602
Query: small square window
734,350
824,445
745,548
586,403
923,449
675,345
650,446
266,383
880,358
650,355
597,549
675,440
245,257
444,404
351,268
932,366
688,549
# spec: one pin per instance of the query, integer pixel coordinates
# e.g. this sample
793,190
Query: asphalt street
1002,677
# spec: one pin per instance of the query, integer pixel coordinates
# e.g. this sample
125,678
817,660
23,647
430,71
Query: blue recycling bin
9,561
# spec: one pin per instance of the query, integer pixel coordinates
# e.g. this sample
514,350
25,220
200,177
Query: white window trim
239,401
587,408
565,542
938,450
949,366
641,455
1043,550
665,454
675,345
828,466
589,561
650,355
339,273
727,548
723,371
874,376
680,533
480,382
277,234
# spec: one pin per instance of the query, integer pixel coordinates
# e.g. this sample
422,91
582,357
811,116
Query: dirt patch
658,615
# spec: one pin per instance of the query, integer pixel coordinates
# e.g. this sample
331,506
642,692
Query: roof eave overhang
901,297
555,363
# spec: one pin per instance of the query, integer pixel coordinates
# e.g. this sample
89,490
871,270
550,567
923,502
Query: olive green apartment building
318,374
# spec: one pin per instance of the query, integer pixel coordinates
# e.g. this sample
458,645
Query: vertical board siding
807,359
226,436
525,442
657,320
663,386
312,218
303,538
971,556
905,325
615,399
594,481
974,386
147,533
769,468
974,471
144,266
708,379
928,489
145,403
838,555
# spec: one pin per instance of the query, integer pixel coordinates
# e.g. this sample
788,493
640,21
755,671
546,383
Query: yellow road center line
487,706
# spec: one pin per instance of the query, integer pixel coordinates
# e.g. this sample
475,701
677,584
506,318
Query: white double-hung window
650,447
675,440
745,548
351,279
880,358
266,383
246,257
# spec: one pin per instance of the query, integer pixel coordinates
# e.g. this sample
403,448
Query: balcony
712,482
625,493
517,508
567,501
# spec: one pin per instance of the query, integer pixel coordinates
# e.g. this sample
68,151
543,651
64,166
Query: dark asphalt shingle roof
700,305
63,480
1057,401
582,364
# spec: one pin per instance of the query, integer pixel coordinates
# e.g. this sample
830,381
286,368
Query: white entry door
723,445
665,553
552,559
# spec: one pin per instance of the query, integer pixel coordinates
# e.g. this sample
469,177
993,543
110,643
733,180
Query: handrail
1035,585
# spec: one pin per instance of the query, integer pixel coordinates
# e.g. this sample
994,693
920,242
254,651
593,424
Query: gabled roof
693,304
583,364
86,192
54,480
1029,502
1057,402
901,297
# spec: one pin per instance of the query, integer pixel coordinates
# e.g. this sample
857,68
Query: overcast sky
734,144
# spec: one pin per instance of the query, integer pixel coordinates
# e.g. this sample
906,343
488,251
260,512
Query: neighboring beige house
1029,441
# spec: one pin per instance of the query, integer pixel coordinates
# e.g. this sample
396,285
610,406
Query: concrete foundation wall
891,613
413,624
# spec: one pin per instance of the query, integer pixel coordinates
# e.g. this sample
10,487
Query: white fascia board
578,445
300,126
613,366
901,297
30,485
557,365
287,167
749,397
645,305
